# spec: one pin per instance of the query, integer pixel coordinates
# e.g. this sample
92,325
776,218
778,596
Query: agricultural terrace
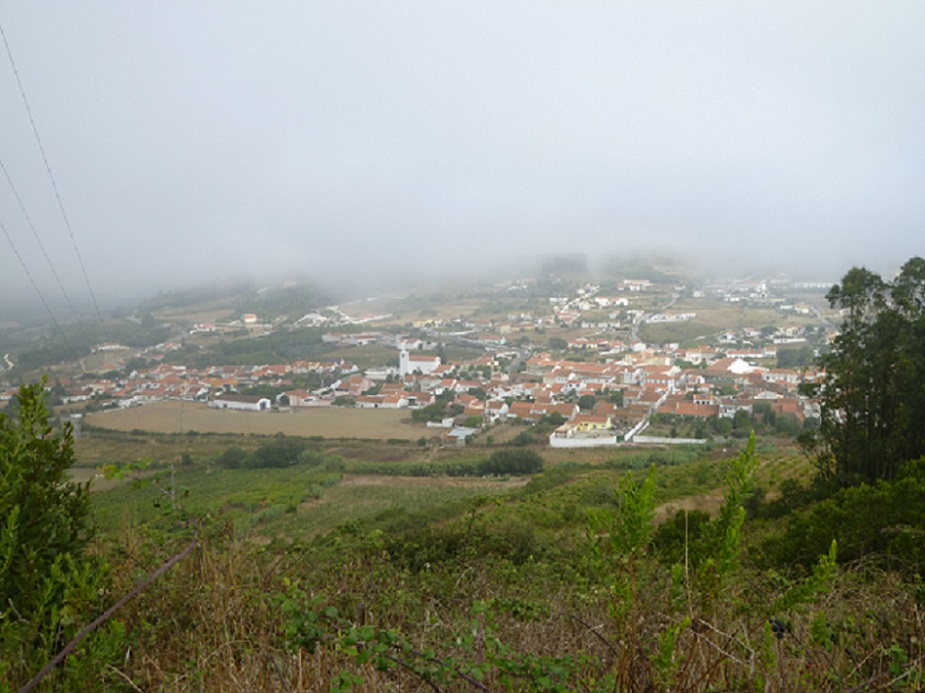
296,502
182,417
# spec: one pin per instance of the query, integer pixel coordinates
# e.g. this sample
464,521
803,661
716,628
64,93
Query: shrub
523,438
46,516
881,520
512,462
231,458
47,585
278,454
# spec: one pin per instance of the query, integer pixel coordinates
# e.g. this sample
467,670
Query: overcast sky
195,140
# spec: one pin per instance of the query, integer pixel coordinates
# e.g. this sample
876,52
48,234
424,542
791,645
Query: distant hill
658,268
196,295
291,300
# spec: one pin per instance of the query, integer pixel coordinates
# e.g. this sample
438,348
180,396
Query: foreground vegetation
277,563
564,583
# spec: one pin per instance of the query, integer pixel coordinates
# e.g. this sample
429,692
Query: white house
226,400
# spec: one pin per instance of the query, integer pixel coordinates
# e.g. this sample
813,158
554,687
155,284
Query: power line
54,185
38,291
38,239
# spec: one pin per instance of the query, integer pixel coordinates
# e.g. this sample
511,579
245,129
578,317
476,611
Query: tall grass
422,587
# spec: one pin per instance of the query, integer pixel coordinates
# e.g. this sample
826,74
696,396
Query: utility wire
38,291
54,185
38,239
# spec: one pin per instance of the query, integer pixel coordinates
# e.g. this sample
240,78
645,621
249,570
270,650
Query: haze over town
359,142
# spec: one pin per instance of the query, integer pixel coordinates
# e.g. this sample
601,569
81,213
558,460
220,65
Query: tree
49,587
479,393
523,438
473,421
587,402
45,515
872,398
794,358
553,419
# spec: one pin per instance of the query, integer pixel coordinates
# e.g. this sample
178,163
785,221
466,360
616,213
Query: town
587,364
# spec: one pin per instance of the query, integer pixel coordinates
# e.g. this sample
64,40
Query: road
641,318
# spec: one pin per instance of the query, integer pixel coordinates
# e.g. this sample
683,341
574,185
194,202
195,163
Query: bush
512,462
276,455
47,586
523,438
231,458
45,515
883,520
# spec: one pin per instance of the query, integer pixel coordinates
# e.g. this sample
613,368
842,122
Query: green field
294,502
713,318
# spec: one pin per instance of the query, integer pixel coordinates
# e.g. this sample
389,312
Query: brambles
779,628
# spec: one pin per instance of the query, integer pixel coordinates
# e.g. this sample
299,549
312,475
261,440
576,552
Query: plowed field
333,422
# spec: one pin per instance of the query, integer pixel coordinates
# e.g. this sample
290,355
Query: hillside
339,546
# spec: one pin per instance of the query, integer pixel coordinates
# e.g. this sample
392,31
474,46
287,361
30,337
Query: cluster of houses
627,381
648,381
174,382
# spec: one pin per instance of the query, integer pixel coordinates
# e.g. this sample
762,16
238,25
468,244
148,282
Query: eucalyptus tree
872,396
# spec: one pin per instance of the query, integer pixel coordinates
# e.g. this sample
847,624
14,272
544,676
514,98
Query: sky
196,141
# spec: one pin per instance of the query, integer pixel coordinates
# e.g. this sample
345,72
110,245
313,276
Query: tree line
872,396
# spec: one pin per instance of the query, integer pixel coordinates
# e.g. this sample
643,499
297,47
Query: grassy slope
512,569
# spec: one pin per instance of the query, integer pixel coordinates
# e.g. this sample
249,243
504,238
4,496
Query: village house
303,398
418,400
636,284
369,401
496,410
460,435
352,386
682,407
774,375
591,422
534,411
226,400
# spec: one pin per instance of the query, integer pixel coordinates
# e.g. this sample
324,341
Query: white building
417,363
240,402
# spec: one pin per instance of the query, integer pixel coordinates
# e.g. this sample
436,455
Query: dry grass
196,315
103,447
215,624
713,318
705,502
180,417
105,360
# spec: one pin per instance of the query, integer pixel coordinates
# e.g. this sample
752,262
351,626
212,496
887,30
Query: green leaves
45,514
48,587
873,405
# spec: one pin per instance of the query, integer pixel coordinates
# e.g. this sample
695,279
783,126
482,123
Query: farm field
294,502
714,317
197,314
183,417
